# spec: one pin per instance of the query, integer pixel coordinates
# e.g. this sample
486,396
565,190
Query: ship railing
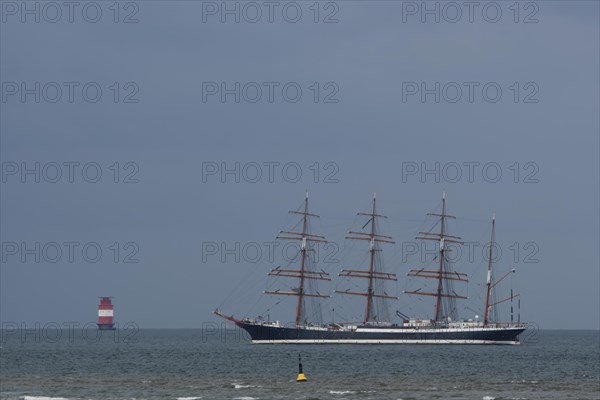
261,322
508,324
480,324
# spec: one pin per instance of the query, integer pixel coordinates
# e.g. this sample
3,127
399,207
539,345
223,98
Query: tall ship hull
455,333
273,333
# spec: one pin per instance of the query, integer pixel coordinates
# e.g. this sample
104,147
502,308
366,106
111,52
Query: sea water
188,364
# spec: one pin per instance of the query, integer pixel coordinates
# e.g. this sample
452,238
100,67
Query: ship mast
489,273
442,275
302,273
371,274
491,283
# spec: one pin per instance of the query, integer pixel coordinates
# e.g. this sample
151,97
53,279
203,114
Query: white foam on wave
245,398
42,398
342,392
189,398
242,386
488,398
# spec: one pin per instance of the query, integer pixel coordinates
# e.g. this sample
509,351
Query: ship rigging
376,327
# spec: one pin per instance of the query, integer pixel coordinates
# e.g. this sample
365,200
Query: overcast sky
519,97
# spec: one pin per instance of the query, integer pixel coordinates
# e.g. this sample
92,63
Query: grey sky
369,133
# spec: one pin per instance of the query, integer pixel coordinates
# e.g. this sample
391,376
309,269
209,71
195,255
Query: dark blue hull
261,333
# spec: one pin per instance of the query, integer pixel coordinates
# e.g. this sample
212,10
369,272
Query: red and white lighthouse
105,314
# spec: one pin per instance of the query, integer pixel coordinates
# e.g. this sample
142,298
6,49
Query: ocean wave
189,398
351,391
236,385
42,398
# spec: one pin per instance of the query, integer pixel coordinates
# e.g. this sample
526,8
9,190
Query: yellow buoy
301,377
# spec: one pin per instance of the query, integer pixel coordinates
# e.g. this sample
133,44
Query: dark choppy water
179,364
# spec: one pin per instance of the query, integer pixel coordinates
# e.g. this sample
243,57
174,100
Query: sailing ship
376,326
